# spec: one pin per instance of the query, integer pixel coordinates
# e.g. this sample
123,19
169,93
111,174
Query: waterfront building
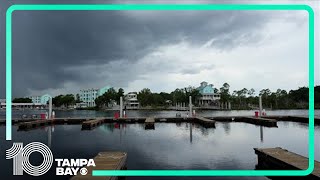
131,100
24,105
208,96
2,103
40,99
88,96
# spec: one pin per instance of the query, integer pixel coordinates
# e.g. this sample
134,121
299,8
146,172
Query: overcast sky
64,51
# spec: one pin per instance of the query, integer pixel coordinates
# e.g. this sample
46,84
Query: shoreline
155,109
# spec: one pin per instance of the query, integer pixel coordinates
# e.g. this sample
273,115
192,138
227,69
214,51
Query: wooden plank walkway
268,121
149,123
34,124
259,121
284,159
105,161
91,124
205,122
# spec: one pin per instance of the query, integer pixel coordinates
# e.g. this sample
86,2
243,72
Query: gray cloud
96,48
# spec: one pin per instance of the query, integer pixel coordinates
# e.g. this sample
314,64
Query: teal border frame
228,7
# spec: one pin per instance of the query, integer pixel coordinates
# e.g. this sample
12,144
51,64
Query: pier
205,121
91,124
34,124
149,123
282,159
259,121
208,122
105,161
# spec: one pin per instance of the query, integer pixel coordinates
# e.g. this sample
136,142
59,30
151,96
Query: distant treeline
239,99
280,99
22,100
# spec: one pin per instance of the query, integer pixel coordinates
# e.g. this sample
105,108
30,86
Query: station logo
72,166
21,161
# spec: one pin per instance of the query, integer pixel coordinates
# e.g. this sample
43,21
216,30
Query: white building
40,99
89,96
131,100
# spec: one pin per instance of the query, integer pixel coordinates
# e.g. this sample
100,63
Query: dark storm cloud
51,48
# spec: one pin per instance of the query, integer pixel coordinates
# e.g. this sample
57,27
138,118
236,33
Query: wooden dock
205,121
91,124
282,159
34,124
268,121
259,121
105,161
149,123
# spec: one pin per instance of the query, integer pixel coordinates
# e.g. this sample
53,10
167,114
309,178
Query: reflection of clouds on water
228,146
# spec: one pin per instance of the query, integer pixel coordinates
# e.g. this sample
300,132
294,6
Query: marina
90,123
176,126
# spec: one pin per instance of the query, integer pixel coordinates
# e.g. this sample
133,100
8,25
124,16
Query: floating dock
34,124
105,161
149,123
268,121
282,159
91,124
205,121
259,121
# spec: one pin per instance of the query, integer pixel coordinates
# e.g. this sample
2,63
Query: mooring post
190,106
50,108
121,107
260,105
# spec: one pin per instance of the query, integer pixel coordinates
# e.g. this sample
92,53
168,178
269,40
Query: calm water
169,146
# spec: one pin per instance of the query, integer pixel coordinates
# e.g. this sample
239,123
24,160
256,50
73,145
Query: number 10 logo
20,156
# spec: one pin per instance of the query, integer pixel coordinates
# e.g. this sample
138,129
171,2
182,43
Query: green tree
120,93
145,97
22,100
178,96
224,93
78,98
65,100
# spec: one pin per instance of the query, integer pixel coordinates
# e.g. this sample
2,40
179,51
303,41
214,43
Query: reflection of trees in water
226,127
107,127
204,131
301,125
178,124
285,123
142,125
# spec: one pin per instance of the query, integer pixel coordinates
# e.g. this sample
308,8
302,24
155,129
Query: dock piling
190,106
121,107
260,105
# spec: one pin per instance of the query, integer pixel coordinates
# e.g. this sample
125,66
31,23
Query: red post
43,116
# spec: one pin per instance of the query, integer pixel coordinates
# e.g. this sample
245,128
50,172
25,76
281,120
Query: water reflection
226,127
170,146
190,132
50,130
261,134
